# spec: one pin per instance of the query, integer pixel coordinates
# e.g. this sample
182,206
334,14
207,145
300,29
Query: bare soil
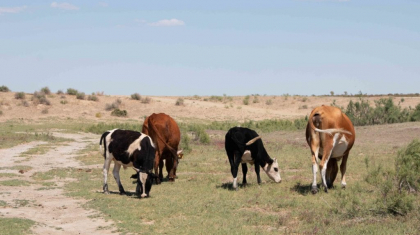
54,212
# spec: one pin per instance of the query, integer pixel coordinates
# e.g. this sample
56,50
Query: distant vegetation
80,95
136,96
39,98
71,91
4,89
115,105
119,113
20,95
179,102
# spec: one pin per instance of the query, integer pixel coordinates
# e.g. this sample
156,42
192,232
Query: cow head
273,171
144,183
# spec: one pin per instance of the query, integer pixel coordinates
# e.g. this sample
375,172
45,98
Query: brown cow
166,135
330,135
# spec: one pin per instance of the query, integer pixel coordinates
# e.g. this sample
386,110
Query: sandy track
54,212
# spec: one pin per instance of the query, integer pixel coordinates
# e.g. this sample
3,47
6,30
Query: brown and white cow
166,135
330,135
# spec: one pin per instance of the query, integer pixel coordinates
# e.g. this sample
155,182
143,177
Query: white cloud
64,6
103,4
12,9
171,22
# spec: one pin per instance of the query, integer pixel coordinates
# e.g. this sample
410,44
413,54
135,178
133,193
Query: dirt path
54,212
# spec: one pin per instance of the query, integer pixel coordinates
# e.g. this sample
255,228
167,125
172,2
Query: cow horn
137,170
253,140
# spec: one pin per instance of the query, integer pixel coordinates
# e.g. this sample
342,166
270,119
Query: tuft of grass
16,226
63,101
14,182
98,115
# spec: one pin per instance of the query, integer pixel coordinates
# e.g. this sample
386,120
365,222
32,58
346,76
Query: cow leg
105,170
244,171
315,169
116,173
156,167
332,170
257,171
329,146
343,167
234,165
161,169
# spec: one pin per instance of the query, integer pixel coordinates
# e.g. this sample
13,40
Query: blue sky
231,47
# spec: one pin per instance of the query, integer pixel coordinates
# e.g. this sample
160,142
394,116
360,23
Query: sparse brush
63,102
146,100
119,113
179,102
46,90
269,102
98,115
115,105
93,98
60,92
1,112
136,96
20,95
71,91
256,100
80,95
246,100
44,111
39,98
25,103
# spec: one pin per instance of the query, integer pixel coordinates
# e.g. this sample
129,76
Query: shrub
415,116
44,111
216,98
114,105
25,103
246,100
119,113
20,95
1,112
4,89
136,96
269,102
60,92
39,98
71,91
146,100
93,98
80,95
63,102
179,102
185,143
46,90
98,115
256,100
408,167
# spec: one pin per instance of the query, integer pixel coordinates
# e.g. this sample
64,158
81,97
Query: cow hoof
325,189
343,186
314,190
171,179
122,193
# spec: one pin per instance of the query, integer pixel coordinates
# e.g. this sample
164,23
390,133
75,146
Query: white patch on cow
315,167
143,178
151,141
273,171
340,147
246,158
235,182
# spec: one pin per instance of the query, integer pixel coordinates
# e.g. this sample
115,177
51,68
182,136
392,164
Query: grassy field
202,201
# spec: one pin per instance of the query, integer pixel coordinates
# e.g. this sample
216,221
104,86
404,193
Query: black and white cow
129,149
244,146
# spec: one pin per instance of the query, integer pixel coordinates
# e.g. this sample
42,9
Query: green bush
119,113
71,91
408,167
185,143
20,95
4,89
415,116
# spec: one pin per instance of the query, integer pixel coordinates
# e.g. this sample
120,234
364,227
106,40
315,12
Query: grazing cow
166,135
245,146
330,135
129,149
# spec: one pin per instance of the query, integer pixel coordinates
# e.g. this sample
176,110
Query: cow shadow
302,189
229,186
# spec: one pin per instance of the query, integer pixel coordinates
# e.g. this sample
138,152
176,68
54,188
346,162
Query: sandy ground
54,212
203,108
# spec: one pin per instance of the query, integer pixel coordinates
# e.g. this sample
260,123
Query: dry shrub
93,98
20,95
39,98
44,111
80,95
71,91
98,115
136,96
115,105
4,89
25,103
146,100
60,92
46,90
179,102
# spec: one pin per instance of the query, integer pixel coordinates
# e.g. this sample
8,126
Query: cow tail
103,137
328,131
153,129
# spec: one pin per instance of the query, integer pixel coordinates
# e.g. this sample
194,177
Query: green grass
14,182
15,226
201,200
